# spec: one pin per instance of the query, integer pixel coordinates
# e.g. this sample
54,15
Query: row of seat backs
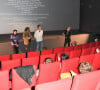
47,74
93,59
17,82
72,54
88,81
51,72
56,50
9,64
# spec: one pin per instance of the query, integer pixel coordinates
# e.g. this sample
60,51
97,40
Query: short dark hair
64,56
48,60
14,30
27,28
38,26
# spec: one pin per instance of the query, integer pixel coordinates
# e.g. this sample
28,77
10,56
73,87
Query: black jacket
67,35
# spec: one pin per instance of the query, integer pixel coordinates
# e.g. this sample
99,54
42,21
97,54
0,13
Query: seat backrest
75,53
98,86
4,57
98,43
30,61
85,45
70,64
19,84
18,56
87,58
43,57
66,49
45,52
86,51
26,89
96,61
33,54
92,44
57,50
48,72
77,47
4,80
9,64
87,81
64,84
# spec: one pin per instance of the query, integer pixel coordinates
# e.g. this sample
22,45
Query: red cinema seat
86,51
85,45
70,64
64,84
43,57
87,81
98,86
48,72
57,50
4,57
33,54
45,52
7,65
59,55
92,44
71,48
18,56
75,53
96,61
77,47
87,58
4,80
98,43
30,61
19,84
26,89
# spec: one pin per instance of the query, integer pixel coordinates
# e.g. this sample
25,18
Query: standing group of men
38,35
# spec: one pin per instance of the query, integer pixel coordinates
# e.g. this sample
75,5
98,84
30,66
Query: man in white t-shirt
38,35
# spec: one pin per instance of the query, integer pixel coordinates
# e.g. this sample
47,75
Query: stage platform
50,41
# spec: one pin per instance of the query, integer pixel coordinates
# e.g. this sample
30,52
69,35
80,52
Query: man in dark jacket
67,34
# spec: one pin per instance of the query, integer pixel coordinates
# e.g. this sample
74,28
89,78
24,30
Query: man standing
67,34
14,41
38,35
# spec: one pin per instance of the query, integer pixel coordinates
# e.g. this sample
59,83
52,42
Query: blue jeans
39,46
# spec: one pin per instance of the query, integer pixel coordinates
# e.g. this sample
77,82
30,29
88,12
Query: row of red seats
97,65
72,54
50,73
88,81
9,64
74,51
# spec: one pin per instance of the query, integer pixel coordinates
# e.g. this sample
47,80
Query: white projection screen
51,14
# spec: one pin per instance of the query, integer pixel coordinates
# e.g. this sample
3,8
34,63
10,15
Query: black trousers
15,49
67,42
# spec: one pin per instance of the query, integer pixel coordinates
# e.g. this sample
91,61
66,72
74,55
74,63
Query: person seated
63,56
70,74
96,39
85,67
97,50
45,48
48,60
74,43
